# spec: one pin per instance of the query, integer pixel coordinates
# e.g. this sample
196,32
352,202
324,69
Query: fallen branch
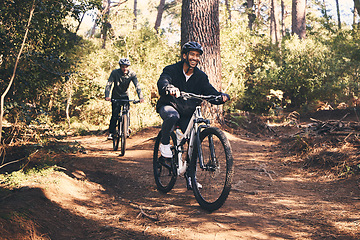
19,160
261,168
142,213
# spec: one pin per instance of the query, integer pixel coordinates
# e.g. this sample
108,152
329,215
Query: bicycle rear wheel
213,182
116,135
164,171
123,135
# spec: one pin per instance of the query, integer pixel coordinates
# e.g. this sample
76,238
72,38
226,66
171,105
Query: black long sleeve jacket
173,76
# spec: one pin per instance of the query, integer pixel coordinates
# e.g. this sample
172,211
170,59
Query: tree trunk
338,13
355,15
135,15
78,26
274,23
251,14
159,15
299,18
105,14
357,6
200,23
105,21
228,10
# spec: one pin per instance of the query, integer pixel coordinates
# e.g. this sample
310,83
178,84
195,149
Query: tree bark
299,18
274,23
200,23
159,15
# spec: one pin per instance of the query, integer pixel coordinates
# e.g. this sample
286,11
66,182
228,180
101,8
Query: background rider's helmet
124,61
192,46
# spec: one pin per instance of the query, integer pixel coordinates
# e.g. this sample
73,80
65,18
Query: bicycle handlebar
186,95
124,100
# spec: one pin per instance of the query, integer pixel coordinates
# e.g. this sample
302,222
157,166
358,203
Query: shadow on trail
268,200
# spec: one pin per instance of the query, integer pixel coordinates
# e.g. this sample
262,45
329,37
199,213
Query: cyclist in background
119,81
182,76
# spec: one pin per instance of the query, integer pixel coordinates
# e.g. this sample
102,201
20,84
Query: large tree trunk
299,18
274,23
200,23
159,15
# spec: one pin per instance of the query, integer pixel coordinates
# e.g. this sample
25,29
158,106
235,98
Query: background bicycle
203,154
122,125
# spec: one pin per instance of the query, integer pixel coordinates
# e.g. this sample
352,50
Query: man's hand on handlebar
141,100
225,97
174,91
108,99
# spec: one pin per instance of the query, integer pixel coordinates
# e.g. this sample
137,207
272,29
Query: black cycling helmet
192,46
124,61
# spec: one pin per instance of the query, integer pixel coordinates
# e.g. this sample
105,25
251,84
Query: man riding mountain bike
119,82
182,76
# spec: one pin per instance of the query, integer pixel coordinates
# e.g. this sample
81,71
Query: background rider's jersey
120,84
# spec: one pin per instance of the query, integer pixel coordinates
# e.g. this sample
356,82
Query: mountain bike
203,154
122,125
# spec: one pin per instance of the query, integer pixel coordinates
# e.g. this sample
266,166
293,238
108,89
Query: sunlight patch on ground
70,190
138,153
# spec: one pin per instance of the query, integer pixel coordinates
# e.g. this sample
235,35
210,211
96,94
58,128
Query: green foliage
59,69
148,54
316,68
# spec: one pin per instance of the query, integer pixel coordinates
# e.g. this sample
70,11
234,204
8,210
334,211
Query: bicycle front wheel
116,135
124,131
213,180
164,171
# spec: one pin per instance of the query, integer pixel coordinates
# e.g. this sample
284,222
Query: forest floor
279,192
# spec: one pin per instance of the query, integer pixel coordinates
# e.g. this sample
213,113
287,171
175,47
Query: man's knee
173,117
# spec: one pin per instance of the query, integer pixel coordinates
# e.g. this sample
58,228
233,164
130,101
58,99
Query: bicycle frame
122,122
125,108
192,136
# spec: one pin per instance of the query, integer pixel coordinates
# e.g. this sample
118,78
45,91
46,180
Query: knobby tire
116,136
164,171
216,179
124,133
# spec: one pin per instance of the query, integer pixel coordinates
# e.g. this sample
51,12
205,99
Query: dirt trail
100,195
